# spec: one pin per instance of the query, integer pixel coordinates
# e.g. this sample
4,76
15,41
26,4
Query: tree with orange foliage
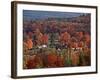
28,43
87,40
74,43
44,39
38,36
64,38
75,58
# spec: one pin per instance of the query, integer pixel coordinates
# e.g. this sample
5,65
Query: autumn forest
56,39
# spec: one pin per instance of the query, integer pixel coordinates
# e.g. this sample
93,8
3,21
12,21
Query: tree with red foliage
31,64
80,45
60,61
34,62
52,60
30,34
79,35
